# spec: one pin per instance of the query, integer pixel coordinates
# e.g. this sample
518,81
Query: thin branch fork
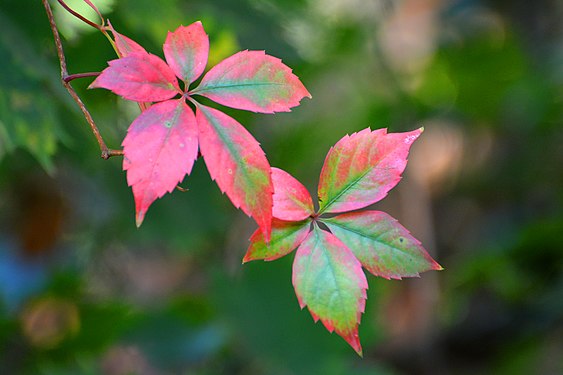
66,78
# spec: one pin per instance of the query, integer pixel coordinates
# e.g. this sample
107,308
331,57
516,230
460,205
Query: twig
79,16
106,153
72,77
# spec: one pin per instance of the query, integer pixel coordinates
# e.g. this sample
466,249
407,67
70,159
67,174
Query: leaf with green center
159,150
186,51
329,280
361,169
253,81
236,162
286,236
139,76
383,246
292,201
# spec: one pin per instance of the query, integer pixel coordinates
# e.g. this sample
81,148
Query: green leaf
383,246
329,280
286,236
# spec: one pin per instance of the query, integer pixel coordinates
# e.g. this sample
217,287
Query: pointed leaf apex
140,217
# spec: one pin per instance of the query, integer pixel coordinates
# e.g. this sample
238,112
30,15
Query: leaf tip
139,218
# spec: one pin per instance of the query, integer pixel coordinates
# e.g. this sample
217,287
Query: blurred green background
82,291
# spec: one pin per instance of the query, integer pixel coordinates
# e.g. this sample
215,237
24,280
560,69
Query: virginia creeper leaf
286,236
329,280
292,201
236,162
125,45
361,168
253,81
186,51
159,150
383,246
139,76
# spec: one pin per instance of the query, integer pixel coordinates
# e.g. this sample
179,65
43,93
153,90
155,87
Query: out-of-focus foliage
84,292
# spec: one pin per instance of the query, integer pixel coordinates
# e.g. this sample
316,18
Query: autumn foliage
174,129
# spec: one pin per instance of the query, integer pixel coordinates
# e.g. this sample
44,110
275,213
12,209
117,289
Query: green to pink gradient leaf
253,81
236,162
383,246
292,201
286,237
125,45
159,150
329,280
186,51
139,76
361,168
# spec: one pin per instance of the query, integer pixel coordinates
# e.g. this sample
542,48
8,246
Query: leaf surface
253,81
361,169
383,246
329,280
159,150
236,162
124,44
292,201
186,51
286,237
139,76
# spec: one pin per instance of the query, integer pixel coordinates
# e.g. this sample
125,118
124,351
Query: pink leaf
186,51
383,246
125,45
159,150
329,280
286,236
292,201
238,165
253,81
361,169
139,76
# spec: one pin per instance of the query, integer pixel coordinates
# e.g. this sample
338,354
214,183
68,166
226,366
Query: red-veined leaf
292,201
236,162
124,45
253,81
286,236
329,280
139,76
361,168
383,246
186,51
159,150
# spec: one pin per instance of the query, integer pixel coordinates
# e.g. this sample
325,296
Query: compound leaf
139,76
236,162
361,168
292,201
253,81
329,280
186,51
383,246
286,237
159,150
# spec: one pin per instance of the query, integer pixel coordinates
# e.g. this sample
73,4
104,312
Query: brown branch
106,153
72,77
79,16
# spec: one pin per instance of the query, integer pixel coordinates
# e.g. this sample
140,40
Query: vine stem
66,78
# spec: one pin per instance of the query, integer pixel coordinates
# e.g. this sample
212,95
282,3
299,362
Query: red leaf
361,169
383,246
139,76
159,150
292,201
328,279
253,81
238,165
286,236
186,51
125,45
